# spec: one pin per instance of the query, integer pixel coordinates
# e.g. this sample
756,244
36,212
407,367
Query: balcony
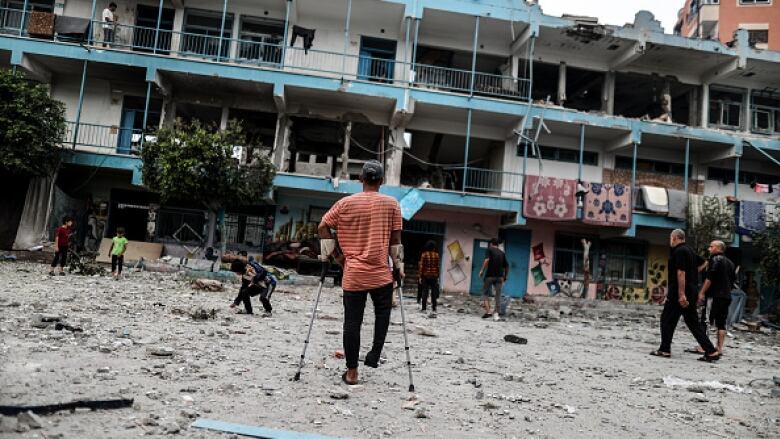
269,53
102,139
490,182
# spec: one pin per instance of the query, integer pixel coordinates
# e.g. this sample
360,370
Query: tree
768,245
193,162
32,126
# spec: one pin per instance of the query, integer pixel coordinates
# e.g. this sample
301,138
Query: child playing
117,251
61,244
255,280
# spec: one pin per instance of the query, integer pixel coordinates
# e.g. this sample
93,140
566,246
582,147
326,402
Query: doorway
132,124
377,59
516,247
145,32
414,237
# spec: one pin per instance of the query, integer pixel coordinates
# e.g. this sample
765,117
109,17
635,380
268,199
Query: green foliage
768,245
193,162
700,235
32,125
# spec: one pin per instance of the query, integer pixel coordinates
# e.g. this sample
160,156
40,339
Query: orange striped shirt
429,265
363,223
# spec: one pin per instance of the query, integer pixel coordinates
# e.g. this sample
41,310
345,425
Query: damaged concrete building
463,101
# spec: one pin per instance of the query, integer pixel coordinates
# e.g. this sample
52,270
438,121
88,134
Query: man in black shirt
718,284
681,299
495,269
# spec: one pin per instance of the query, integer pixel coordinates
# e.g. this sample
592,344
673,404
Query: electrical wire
395,148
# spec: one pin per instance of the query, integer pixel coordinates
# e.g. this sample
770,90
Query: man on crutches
368,225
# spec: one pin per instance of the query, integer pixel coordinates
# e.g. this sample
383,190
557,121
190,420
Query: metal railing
272,53
11,19
102,138
488,181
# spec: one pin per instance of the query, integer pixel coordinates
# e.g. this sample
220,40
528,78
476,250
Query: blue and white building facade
436,90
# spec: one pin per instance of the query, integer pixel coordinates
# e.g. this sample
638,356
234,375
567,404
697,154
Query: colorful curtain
751,217
607,205
551,199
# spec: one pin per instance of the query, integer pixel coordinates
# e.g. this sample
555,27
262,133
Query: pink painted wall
460,227
544,232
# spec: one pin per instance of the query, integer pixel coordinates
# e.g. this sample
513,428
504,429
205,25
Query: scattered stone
421,413
718,411
162,351
540,325
410,405
30,419
460,360
104,369
339,394
170,427
511,338
425,332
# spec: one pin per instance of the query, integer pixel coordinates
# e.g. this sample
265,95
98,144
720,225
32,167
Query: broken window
648,96
583,89
625,262
766,112
566,155
725,109
260,39
654,166
545,82
758,38
568,256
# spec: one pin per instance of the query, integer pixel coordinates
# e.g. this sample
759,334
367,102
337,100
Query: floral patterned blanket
551,199
608,205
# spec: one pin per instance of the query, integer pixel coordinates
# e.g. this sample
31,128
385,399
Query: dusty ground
584,375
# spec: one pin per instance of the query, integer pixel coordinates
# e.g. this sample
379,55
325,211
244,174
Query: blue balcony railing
491,182
110,139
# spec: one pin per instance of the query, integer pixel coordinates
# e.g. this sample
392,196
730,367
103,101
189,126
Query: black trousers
430,285
720,311
670,317
354,306
247,291
116,263
60,256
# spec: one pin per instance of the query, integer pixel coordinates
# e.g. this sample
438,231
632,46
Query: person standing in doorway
61,245
681,299
495,270
117,251
719,281
109,24
368,225
429,276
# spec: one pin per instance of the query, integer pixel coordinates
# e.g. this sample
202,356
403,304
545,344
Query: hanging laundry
751,217
306,34
656,199
762,188
716,207
771,214
678,203
551,199
608,205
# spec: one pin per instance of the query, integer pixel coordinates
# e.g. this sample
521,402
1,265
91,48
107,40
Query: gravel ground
584,374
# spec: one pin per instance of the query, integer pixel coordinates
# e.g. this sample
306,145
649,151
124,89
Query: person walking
117,252
681,298
495,270
255,281
719,280
61,245
429,276
368,225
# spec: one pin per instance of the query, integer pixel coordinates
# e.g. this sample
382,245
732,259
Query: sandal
344,378
487,316
695,351
709,358
661,354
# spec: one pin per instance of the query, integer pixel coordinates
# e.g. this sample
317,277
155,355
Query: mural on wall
657,275
537,272
567,287
456,251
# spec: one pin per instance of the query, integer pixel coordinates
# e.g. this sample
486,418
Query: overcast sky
617,12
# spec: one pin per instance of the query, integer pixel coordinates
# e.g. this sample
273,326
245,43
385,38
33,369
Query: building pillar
747,113
234,38
394,158
561,98
345,154
281,142
705,105
693,108
666,97
178,26
608,93
223,120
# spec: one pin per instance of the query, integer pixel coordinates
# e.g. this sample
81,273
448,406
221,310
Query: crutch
403,323
325,268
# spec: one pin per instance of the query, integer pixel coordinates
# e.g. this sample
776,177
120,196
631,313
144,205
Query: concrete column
281,142
693,108
223,121
705,105
747,114
345,154
561,83
178,26
608,93
394,158
666,97
168,115
234,34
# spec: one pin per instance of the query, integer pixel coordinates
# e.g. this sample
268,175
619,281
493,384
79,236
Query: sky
617,12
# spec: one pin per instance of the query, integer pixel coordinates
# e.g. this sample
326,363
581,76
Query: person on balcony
109,24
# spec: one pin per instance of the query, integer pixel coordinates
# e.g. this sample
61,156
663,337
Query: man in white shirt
109,24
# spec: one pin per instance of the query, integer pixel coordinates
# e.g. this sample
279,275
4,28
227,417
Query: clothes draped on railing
306,34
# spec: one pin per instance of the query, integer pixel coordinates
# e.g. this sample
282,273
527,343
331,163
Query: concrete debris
671,381
339,394
30,419
426,332
207,285
511,338
162,351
